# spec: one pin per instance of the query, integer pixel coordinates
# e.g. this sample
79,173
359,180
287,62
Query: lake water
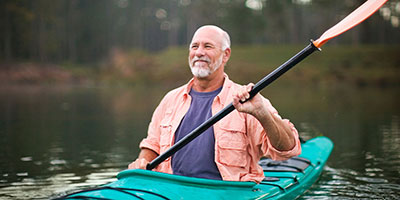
58,139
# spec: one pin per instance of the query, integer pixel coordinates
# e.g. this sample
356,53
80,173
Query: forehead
207,35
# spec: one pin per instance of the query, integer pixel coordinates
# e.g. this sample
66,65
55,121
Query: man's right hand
139,163
144,156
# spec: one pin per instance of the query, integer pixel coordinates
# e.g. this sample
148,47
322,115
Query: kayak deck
284,180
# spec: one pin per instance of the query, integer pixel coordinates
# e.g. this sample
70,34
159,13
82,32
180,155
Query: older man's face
205,54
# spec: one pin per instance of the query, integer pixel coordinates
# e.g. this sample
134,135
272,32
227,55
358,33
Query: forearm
278,131
147,154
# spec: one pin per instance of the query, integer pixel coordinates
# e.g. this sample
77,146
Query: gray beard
201,72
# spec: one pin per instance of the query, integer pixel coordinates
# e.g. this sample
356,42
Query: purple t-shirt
196,159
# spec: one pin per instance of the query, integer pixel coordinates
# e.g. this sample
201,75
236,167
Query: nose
199,52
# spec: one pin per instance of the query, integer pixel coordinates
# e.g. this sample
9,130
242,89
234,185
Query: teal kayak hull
284,180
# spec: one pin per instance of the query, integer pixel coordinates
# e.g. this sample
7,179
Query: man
231,149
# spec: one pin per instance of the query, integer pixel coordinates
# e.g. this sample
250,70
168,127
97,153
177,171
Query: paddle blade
355,18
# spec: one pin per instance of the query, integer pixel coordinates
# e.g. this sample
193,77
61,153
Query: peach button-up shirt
240,140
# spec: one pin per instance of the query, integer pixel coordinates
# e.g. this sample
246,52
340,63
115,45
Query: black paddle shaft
225,111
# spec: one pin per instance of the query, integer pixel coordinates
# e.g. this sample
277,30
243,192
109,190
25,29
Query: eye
209,46
194,46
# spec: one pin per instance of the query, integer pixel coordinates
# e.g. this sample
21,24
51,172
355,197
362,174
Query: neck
208,84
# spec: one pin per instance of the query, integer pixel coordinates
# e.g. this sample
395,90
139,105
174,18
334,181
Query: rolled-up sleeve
152,141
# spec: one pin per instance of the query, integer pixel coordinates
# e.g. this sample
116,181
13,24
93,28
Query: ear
227,55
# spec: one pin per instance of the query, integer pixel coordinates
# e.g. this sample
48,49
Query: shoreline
360,66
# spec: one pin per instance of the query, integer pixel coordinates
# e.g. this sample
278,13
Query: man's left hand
254,106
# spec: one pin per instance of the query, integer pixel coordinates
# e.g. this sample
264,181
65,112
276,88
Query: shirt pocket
232,147
165,131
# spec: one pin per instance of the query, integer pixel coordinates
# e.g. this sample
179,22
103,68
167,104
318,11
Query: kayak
283,180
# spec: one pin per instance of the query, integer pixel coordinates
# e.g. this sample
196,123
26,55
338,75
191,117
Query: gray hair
226,41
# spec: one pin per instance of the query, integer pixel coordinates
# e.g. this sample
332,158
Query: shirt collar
222,95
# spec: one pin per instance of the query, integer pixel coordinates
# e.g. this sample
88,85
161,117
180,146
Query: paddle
355,18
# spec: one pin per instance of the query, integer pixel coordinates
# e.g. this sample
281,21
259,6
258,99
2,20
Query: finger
250,87
237,94
143,164
236,103
131,165
243,94
138,164
239,107
246,94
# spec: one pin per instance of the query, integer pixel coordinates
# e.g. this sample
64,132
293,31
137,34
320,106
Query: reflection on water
56,140
377,179
44,188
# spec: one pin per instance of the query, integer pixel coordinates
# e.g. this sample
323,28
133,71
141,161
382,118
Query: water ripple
350,184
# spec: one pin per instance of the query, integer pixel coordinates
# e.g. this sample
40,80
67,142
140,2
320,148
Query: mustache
203,58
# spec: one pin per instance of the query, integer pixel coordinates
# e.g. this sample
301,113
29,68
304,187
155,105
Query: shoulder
168,101
173,95
176,92
230,85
